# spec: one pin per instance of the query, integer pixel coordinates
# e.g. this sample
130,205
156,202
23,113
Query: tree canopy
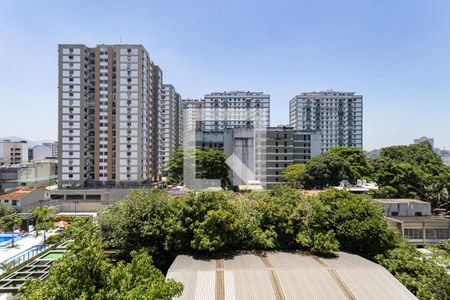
85,272
356,157
412,171
325,170
424,275
210,164
217,221
294,174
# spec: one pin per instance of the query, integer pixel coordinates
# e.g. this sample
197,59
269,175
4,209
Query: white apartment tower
235,109
336,115
190,117
170,122
108,115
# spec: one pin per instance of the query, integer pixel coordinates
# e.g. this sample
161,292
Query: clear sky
394,52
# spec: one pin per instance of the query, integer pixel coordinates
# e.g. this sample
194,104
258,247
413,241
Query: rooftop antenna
120,40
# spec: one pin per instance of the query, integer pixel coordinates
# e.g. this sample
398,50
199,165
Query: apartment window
394,213
418,213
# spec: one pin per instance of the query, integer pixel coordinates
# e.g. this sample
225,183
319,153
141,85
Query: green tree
42,219
293,174
325,170
424,276
412,171
139,279
5,210
85,272
146,219
356,158
359,224
15,222
210,164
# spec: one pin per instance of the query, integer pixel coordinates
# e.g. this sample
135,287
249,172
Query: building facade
415,221
13,152
25,198
338,116
43,151
285,146
109,114
190,116
170,122
235,109
261,156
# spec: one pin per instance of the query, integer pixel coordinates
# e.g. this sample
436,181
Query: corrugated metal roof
283,276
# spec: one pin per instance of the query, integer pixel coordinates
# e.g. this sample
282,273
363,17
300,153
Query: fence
22,257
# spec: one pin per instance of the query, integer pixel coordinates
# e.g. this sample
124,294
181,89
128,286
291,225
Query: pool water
5,238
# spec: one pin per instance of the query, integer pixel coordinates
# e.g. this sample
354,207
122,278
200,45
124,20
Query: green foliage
293,174
216,221
356,158
146,219
5,210
139,279
412,171
422,274
210,164
325,170
43,221
359,223
85,272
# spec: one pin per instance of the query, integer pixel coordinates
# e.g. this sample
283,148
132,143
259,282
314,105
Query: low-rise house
25,198
415,220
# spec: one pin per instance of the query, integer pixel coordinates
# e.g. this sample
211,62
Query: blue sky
395,53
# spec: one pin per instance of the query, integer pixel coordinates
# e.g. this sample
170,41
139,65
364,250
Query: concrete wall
407,209
85,200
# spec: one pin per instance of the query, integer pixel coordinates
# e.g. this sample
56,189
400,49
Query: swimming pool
5,237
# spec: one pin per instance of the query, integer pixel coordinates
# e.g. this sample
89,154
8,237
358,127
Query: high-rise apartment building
235,109
109,115
171,102
190,117
336,115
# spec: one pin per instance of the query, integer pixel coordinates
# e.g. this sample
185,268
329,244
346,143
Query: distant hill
372,153
30,142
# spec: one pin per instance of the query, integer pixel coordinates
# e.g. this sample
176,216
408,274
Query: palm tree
16,222
42,219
